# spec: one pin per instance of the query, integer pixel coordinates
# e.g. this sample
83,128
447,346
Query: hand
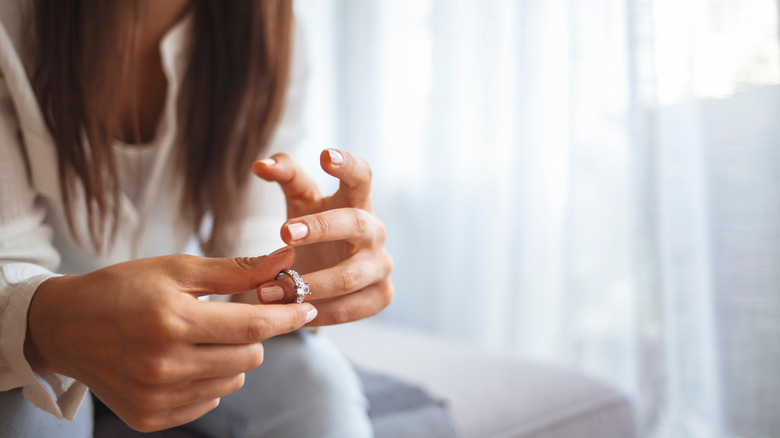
339,241
138,337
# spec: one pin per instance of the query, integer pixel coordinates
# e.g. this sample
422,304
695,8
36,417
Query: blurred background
594,184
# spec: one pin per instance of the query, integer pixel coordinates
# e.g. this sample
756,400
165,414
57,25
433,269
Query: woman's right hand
138,337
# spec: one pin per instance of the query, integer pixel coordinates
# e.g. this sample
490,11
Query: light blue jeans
304,388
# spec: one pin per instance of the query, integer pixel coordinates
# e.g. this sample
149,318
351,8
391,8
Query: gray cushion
491,394
398,409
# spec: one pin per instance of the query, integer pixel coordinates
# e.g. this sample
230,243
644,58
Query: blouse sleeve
27,259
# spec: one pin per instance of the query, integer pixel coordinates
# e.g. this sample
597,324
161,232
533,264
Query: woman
127,128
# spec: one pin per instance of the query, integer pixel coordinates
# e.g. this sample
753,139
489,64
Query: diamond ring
301,288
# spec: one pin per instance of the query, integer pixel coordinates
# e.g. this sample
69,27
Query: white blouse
34,240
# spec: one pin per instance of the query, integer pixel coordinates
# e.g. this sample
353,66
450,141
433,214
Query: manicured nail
335,156
268,161
298,231
280,250
311,314
269,294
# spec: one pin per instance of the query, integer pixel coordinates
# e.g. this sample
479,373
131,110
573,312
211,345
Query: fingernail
270,294
298,231
311,314
335,156
268,161
279,251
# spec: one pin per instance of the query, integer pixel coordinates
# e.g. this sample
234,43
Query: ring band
301,288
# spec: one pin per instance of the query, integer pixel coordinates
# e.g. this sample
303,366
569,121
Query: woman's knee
318,386
315,366
304,388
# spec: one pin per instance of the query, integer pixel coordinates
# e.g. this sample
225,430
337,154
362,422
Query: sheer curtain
593,184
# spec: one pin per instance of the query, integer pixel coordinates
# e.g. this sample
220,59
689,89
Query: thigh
20,418
304,388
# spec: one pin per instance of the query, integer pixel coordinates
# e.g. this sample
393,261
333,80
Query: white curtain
590,183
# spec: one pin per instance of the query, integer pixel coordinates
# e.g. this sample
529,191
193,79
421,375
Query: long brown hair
230,101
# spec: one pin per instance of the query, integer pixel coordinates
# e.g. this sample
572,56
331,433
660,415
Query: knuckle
164,327
150,400
362,220
389,264
349,280
144,423
155,370
213,389
342,315
321,225
243,263
381,232
366,173
369,173
256,329
387,295
180,266
308,192
295,322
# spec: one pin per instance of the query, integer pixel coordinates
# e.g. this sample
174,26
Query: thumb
235,275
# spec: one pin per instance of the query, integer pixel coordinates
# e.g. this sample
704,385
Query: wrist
37,338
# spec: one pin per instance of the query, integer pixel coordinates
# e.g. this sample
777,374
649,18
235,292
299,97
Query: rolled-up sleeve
27,259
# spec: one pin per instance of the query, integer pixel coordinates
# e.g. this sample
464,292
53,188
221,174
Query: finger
204,275
354,174
214,361
296,185
186,393
212,322
349,276
350,224
145,422
207,389
357,305
194,362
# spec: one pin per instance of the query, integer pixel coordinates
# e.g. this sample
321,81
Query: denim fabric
304,388
19,418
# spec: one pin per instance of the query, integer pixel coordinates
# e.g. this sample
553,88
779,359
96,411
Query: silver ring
301,288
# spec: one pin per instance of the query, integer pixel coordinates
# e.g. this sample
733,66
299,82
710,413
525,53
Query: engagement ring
301,288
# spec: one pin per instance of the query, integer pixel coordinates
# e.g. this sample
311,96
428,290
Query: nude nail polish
268,161
298,231
270,294
335,156
311,314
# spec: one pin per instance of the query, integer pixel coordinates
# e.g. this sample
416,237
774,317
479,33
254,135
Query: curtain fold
592,184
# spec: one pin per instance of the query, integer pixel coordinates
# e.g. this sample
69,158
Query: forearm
47,298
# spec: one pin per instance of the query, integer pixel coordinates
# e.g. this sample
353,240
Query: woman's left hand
339,241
